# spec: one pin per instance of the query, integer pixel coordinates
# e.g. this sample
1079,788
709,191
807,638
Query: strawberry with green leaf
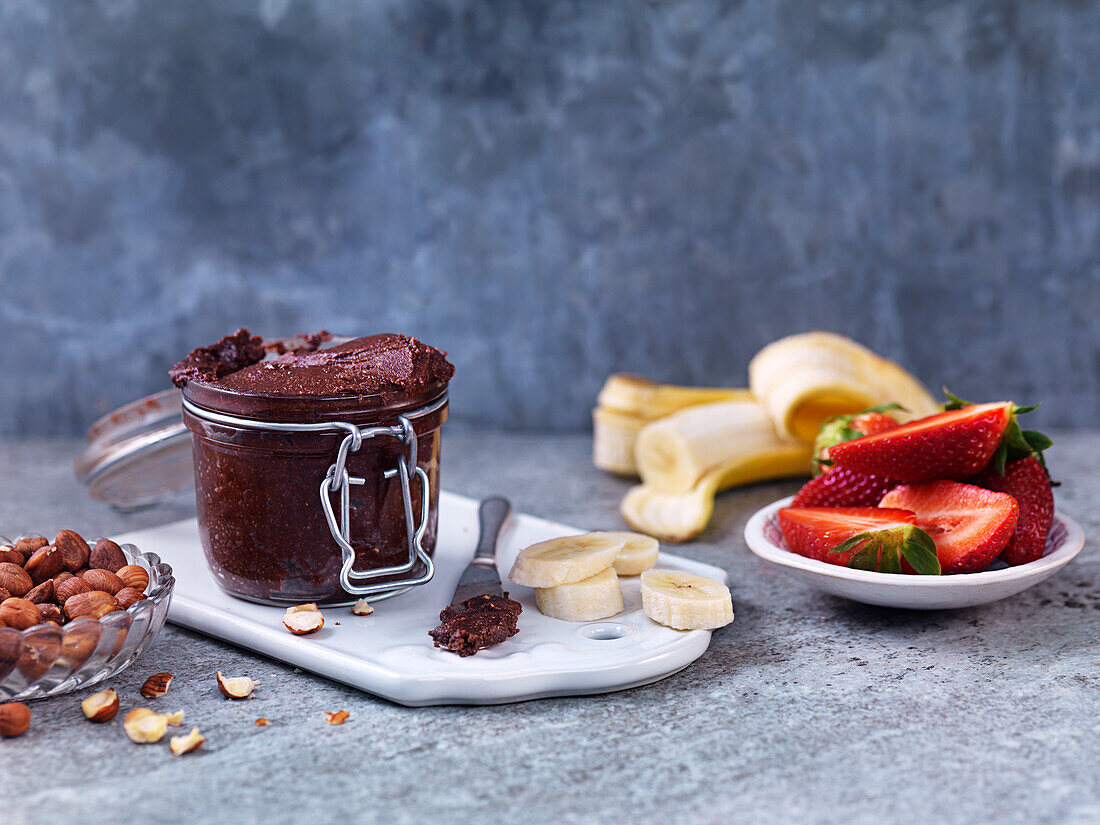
866,538
841,428
969,525
954,444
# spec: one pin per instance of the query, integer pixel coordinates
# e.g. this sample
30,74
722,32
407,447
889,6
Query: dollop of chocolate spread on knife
476,624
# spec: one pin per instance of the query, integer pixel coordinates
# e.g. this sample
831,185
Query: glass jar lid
139,454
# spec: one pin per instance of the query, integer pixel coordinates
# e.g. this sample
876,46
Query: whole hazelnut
95,604
69,588
74,550
15,579
4,595
103,580
129,596
134,575
44,563
50,612
11,556
41,593
106,555
18,613
15,718
29,544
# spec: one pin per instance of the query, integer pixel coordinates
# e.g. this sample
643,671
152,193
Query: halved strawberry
867,538
954,444
970,525
1026,480
841,487
846,427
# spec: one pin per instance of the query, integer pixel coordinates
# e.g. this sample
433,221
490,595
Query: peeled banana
627,403
736,438
597,597
803,379
566,560
685,601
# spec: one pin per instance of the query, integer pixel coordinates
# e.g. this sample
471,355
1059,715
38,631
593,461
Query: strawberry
1026,480
969,525
841,487
846,427
954,444
866,538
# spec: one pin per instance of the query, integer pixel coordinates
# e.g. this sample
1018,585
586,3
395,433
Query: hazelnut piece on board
303,618
238,687
156,685
144,726
180,745
102,706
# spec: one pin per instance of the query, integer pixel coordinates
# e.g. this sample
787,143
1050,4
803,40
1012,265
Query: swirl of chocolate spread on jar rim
375,364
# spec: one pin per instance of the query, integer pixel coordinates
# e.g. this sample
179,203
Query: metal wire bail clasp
337,481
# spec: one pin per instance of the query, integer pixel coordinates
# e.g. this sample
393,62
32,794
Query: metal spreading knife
480,575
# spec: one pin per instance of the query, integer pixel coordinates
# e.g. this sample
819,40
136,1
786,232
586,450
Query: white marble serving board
390,654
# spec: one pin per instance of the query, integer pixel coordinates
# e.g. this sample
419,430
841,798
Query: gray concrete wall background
549,190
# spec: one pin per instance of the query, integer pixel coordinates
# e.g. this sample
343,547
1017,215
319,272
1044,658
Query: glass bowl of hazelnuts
74,612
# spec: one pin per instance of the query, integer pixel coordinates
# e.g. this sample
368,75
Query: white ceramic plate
764,538
389,652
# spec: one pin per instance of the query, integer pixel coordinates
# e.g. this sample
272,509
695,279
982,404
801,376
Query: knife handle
491,517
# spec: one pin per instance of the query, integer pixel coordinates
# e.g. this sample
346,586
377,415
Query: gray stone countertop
807,709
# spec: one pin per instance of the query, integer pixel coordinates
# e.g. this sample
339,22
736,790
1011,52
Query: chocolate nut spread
364,366
476,624
231,353
263,530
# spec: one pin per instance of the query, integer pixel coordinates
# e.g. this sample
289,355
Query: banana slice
566,560
685,601
596,597
638,554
